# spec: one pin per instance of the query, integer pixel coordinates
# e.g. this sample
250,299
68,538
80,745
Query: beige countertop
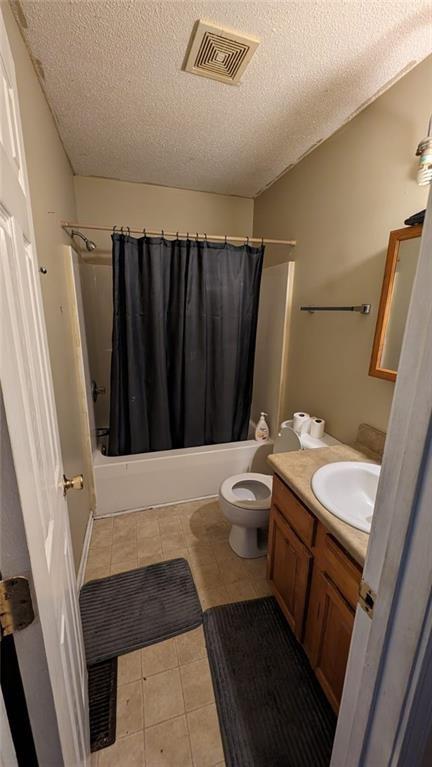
296,469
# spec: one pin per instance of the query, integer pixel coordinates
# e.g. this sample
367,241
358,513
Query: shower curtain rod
183,235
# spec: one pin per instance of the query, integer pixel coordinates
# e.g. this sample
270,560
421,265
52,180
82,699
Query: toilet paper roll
301,422
316,427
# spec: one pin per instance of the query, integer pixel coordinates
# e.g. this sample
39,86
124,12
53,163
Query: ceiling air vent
218,53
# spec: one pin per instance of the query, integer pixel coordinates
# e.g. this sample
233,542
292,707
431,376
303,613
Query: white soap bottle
262,432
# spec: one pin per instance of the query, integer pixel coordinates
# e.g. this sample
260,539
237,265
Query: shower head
90,245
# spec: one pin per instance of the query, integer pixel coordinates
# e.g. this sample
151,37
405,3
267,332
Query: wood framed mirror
401,262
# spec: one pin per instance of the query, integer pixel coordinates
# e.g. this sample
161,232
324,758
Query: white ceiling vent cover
218,53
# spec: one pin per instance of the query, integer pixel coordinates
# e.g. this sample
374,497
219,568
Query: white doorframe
386,712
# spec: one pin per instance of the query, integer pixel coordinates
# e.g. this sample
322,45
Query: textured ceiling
126,110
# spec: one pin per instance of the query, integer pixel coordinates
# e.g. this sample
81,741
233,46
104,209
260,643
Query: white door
31,416
386,715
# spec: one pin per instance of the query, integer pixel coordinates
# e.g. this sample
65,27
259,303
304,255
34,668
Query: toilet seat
244,484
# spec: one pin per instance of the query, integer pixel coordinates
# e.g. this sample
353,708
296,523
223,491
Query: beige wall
52,197
108,202
340,203
105,201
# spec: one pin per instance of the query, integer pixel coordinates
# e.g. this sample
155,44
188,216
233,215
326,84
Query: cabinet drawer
300,519
339,566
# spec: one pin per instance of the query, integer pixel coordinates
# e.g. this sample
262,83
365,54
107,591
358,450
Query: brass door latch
74,483
16,608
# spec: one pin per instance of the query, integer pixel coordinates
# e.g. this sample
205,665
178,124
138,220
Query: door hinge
367,598
96,390
16,608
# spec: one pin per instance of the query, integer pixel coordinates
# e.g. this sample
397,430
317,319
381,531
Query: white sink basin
348,490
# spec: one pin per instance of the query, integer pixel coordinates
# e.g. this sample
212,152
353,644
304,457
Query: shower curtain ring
225,240
187,236
205,236
144,233
128,231
197,236
121,230
114,229
247,240
262,242
163,234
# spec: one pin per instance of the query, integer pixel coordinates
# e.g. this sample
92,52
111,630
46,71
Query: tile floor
166,714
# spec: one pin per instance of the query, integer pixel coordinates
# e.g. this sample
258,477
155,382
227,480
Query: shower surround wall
96,286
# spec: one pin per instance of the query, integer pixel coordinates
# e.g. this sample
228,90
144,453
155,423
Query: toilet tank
288,440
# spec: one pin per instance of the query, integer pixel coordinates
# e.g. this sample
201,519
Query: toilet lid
248,491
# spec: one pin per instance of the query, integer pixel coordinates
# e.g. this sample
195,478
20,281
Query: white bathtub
153,479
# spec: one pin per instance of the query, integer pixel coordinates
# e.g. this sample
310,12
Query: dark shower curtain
184,329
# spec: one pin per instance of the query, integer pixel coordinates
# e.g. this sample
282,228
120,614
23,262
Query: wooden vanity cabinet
289,570
316,584
289,567
328,635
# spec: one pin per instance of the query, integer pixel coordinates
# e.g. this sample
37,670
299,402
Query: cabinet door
328,635
288,571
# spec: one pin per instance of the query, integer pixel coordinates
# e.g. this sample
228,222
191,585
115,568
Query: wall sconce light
424,152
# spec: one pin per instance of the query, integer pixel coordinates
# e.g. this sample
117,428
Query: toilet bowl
245,499
245,502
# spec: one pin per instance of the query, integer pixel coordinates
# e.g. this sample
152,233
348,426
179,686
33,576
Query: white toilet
245,502
245,498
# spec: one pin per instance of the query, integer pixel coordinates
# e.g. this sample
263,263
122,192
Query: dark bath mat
130,610
271,709
102,689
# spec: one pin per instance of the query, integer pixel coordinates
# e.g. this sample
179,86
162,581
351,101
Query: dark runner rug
272,711
102,690
130,610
